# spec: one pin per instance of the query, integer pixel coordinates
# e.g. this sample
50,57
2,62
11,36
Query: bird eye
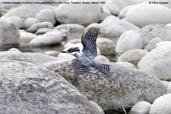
73,50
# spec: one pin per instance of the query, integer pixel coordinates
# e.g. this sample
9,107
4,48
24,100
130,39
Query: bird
84,59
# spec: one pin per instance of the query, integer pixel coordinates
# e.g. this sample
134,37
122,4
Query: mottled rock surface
26,88
125,87
9,34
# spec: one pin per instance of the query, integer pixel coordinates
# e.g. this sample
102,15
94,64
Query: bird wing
89,42
103,68
80,67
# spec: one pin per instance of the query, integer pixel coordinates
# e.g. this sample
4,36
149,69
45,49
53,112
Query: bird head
75,51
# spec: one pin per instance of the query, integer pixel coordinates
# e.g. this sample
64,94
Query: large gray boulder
26,88
9,34
124,88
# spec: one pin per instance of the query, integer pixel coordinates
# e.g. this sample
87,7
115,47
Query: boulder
42,31
106,46
26,88
74,31
65,15
141,107
133,56
124,87
101,58
14,50
126,64
156,30
48,39
165,84
29,22
112,27
129,40
145,14
152,44
114,6
46,15
15,20
9,35
33,28
169,88
124,11
161,105
25,38
27,11
157,62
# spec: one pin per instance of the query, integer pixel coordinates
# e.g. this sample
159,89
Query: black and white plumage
85,59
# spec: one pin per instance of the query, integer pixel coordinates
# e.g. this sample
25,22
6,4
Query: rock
132,56
165,84
124,43
43,31
25,38
106,46
46,15
152,44
74,30
48,39
125,87
112,27
169,88
34,58
123,12
140,14
141,107
9,35
14,50
114,6
29,22
33,28
151,31
27,88
27,11
161,105
64,13
126,64
163,43
101,58
157,62
52,53
15,20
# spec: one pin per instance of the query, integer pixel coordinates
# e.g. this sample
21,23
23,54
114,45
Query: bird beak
63,51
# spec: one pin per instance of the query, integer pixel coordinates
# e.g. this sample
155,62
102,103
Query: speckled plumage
84,61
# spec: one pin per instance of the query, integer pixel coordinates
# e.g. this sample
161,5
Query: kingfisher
84,59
